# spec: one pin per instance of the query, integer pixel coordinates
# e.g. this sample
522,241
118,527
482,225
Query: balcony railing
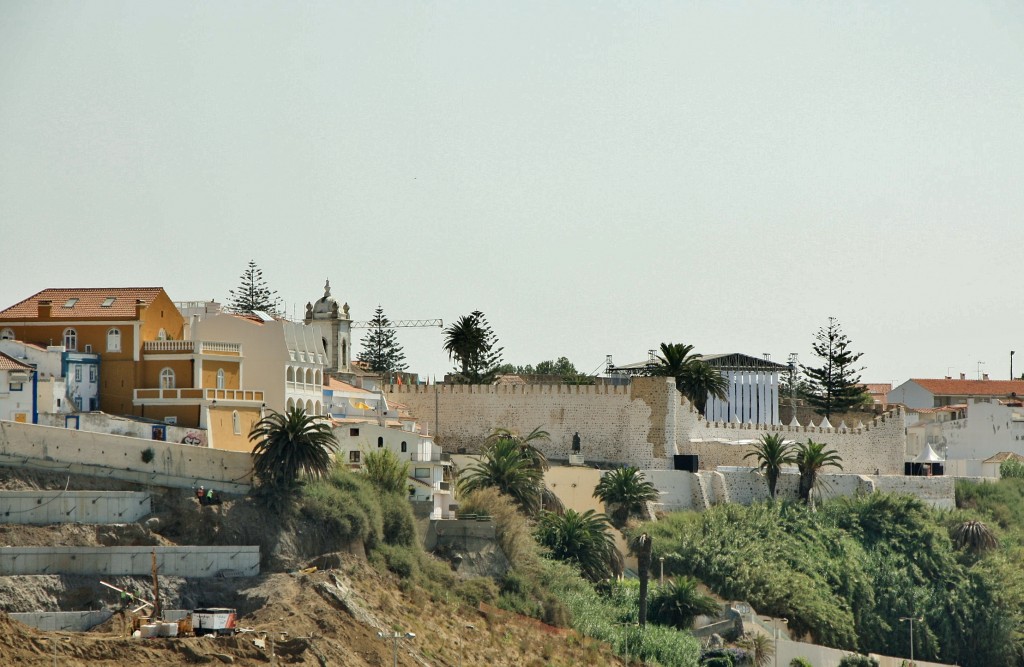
194,394
192,347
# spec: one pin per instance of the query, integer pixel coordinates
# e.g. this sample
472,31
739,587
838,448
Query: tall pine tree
253,293
380,348
835,386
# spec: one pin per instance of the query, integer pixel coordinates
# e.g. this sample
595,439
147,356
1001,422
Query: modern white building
286,359
967,435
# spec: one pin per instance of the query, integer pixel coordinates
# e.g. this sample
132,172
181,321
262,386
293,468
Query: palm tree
761,648
679,602
505,467
694,378
641,547
700,381
772,452
581,539
975,537
626,490
473,345
810,458
525,443
289,445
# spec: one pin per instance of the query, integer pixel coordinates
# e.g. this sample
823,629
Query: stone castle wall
643,424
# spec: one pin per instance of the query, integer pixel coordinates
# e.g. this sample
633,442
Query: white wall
911,395
120,457
48,507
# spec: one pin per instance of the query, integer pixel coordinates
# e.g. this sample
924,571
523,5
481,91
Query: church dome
326,307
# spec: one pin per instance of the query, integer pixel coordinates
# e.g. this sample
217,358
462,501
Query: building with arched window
286,359
113,323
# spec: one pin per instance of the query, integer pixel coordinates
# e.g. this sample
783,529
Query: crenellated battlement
644,424
513,389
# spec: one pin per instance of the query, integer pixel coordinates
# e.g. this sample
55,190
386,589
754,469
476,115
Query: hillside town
180,397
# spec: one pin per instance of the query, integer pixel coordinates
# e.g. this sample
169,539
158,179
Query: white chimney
963,376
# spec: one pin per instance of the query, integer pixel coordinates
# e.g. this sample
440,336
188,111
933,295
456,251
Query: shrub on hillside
800,662
1011,468
858,661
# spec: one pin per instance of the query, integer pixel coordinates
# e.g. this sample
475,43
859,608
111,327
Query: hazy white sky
597,177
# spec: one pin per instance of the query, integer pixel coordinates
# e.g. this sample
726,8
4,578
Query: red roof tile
88,305
11,364
972,387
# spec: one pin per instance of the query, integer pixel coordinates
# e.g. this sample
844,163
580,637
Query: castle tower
335,328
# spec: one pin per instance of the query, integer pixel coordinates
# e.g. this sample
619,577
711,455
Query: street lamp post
911,619
786,621
396,637
1012,352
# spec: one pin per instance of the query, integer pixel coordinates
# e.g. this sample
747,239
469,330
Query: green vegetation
472,344
385,470
253,294
772,452
834,386
582,540
694,378
626,491
847,573
858,661
1011,468
556,593
511,469
288,446
679,602
800,662
379,347
562,367
810,458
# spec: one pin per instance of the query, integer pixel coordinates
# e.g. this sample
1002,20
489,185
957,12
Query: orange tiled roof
878,388
972,387
88,306
338,385
11,364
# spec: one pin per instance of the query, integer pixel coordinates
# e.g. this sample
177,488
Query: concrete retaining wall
68,621
131,561
120,457
45,507
823,656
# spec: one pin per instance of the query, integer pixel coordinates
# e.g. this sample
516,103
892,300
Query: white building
968,435
65,381
286,359
937,393
430,470
16,400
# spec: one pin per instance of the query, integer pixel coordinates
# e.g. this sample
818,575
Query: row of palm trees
773,452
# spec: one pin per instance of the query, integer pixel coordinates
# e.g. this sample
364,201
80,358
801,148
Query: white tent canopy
928,455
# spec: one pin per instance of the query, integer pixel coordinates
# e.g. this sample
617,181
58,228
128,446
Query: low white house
63,381
968,435
430,470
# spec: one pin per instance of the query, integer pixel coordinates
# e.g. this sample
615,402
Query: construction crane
372,324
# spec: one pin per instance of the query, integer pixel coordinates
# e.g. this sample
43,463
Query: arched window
220,379
405,447
71,340
236,423
318,408
344,353
114,340
318,379
291,374
309,376
309,407
167,378
291,403
162,334
380,441
7,334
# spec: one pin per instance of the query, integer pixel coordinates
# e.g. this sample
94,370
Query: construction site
98,571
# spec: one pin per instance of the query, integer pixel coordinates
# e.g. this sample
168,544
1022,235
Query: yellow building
111,322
